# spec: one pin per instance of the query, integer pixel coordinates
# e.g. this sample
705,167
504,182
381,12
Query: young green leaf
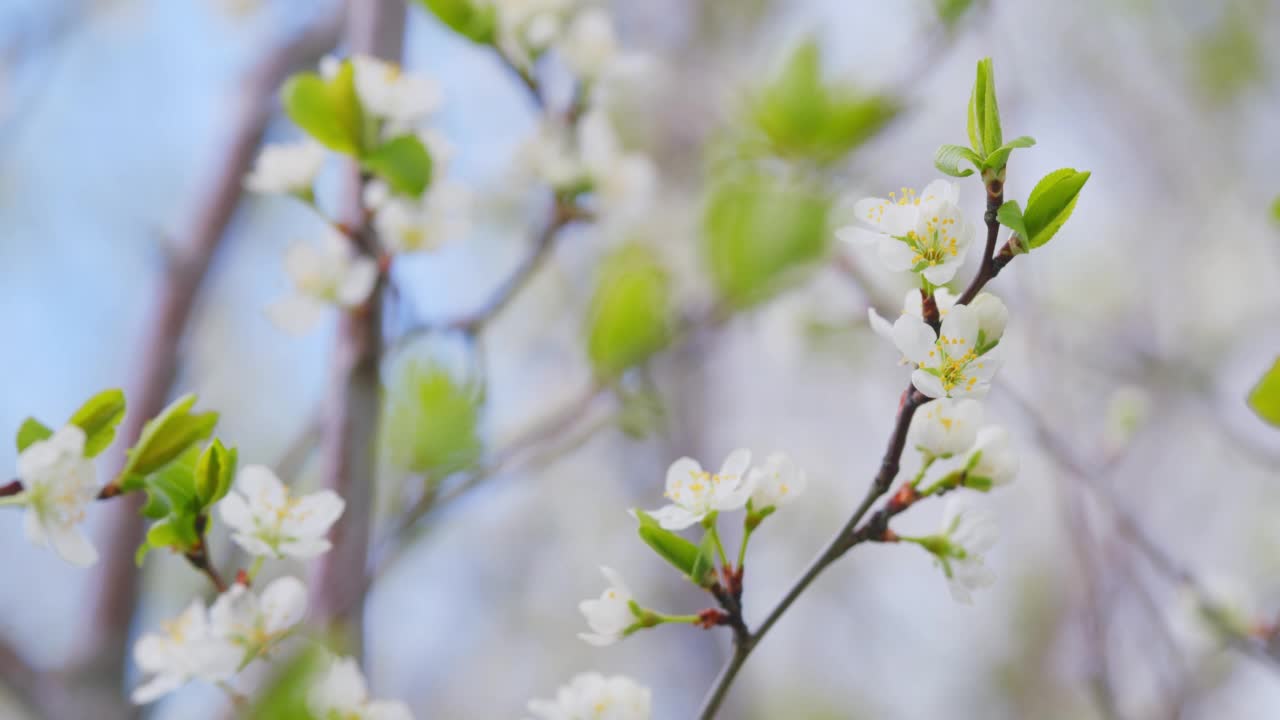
992,136
1010,215
98,418
949,157
998,159
703,571
403,162
476,22
631,315
327,109
431,414
682,554
32,431
1264,398
214,471
1051,203
977,109
165,438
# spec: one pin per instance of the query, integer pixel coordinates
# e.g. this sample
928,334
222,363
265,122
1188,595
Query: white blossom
592,696
410,225
185,650
777,482
695,493
948,364
286,168
385,91
924,233
946,427
991,457
58,484
992,318
611,614
256,623
343,694
590,44
528,27
332,273
912,305
969,534
266,520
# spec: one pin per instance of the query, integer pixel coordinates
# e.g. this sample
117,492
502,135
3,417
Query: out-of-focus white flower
992,318
991,458
343,694
947,364
1206,619
528,27
185,650
590,44
266,520
407,225
946,427
924,233
968,535
331,273
775,483
592,696
256,623
58,484
695,493
385,91
286,167
623,184
611,614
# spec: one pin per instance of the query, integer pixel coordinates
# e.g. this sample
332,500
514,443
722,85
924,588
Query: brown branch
115,597
348,452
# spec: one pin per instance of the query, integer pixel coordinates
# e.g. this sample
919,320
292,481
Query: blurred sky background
1134,335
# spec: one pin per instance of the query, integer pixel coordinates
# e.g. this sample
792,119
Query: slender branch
989,268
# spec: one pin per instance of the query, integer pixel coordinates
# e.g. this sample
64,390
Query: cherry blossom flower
385,91
611,615
411,225
185,650
947,364
256,623
592,696
58,484
332,273
775,483
343,694
695,493
266,520
286,168
924,233
992,460
966,534
946,427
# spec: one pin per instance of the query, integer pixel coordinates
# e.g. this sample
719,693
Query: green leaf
175,533
949,157
760,233
1051,203
631,315
951,11
476,22
703,571
32,431
682,554
998,159
214,470
403,162
165,438
992,136
328,110
431,414
1010,215
804,117
1264,398
977,111
1275,209
98,418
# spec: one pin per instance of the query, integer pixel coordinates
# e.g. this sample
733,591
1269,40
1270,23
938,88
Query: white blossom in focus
592,696
332,273
946,427
969,534
695,493
993,316
385,91
924,233
947,364
185,650
286,167
610,615
775,483
343,694
266,520
991,457
255,623
58,484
